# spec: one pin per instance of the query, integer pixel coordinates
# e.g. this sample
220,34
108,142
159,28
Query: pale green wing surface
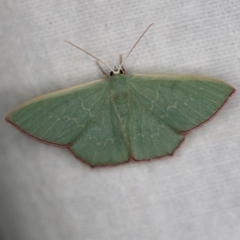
102,141
181,102
60,116
149,135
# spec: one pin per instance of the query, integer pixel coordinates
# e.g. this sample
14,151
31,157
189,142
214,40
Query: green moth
110,121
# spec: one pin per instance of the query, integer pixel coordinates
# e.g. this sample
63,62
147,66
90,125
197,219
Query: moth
110,121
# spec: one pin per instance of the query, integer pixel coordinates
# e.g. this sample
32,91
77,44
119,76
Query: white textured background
45,193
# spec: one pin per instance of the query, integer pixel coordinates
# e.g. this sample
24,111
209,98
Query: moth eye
111,73
121,71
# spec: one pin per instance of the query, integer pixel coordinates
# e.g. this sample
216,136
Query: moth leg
99,66
120,58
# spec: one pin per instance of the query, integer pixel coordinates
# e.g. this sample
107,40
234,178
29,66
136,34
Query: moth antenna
89,54
134,46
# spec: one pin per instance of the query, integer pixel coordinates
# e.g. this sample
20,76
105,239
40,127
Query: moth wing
60,116
81,118
164,106
183,102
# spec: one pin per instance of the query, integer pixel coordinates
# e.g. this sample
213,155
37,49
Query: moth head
116,71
